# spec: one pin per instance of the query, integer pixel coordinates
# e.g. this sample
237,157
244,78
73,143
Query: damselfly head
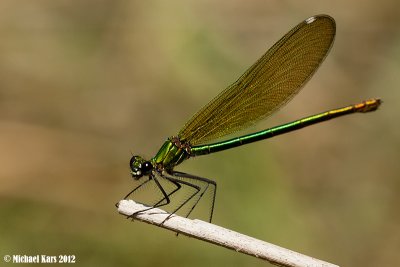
140,167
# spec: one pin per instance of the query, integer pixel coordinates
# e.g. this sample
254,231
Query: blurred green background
85,83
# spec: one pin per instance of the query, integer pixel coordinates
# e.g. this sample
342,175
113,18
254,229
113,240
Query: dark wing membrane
267,85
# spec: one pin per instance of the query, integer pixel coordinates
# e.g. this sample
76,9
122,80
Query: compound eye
133,162
136,166
147,167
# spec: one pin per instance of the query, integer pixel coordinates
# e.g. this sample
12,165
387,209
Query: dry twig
221,236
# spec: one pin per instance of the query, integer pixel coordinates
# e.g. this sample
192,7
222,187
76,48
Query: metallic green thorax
172,153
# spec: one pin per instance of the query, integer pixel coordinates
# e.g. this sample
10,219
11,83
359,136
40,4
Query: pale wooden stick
221,236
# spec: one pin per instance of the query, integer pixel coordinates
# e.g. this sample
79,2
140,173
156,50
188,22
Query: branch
220,236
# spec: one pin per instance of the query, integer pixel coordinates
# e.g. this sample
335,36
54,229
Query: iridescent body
264,88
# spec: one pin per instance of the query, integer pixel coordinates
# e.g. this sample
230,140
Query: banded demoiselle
263,89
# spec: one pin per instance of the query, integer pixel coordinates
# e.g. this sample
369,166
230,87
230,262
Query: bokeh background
83,84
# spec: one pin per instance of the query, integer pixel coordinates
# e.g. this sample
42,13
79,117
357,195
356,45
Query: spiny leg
165,195
172,179
201,179
136,188
178,182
